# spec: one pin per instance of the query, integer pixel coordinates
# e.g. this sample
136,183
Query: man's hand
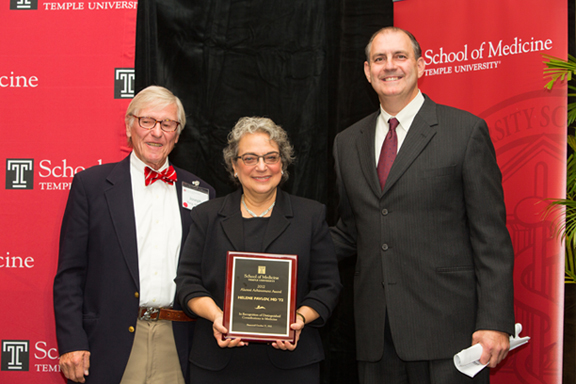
75,365
495,346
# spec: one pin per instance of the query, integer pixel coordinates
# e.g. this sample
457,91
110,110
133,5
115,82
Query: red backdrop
485,57
66,72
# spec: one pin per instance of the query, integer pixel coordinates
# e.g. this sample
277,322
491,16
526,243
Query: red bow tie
168,175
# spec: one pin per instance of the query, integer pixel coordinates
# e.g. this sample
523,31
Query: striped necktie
388,152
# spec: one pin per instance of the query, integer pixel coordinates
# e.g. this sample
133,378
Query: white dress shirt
159,234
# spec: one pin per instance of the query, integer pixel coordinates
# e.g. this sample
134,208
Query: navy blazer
297,226
97,284
434,253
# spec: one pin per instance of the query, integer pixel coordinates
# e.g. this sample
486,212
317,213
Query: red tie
168,175
388,152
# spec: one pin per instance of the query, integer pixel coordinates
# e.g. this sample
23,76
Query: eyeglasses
166,125
253,159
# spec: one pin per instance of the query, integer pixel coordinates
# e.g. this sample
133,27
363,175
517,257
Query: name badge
192,194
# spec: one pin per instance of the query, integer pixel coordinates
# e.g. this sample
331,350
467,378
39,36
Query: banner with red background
66,78
485,57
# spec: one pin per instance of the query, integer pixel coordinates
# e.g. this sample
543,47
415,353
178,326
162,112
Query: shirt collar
407,114
139,166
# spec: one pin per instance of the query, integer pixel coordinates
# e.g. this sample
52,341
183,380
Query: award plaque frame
260,302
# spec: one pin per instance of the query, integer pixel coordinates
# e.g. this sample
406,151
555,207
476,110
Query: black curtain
299,62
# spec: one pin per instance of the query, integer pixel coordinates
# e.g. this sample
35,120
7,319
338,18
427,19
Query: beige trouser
153,358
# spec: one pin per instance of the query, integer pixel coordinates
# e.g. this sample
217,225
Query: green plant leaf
564,210
558,69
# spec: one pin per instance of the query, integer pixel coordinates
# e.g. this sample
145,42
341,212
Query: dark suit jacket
96,286
433,248
297,226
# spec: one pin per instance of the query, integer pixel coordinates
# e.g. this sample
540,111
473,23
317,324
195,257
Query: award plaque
260,301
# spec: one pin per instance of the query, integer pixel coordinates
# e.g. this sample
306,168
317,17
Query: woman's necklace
252,213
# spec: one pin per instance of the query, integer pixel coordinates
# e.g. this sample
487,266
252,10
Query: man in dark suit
421,204
122,231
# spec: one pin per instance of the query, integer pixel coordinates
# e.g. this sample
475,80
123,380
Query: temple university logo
23,4
124,83
19,173
15,355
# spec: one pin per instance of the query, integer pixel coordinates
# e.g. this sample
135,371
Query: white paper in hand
468,360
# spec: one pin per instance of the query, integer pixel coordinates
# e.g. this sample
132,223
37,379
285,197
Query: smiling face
393,70
260,179
152,146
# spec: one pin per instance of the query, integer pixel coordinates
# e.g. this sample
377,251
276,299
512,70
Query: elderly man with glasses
122,232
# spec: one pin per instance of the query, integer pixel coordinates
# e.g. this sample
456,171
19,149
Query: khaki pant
153,358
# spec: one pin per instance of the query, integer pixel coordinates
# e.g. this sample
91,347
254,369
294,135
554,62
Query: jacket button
131,329
384,212
384,247
136,295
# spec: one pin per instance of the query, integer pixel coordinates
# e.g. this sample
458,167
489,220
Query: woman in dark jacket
258,217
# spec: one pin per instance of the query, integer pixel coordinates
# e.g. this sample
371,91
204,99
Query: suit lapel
184,212
121,208
233,226
232,223
421,131
279,218
366,153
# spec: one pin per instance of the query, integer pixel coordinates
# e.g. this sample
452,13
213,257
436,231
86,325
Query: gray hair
249,125
415,45
155,97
